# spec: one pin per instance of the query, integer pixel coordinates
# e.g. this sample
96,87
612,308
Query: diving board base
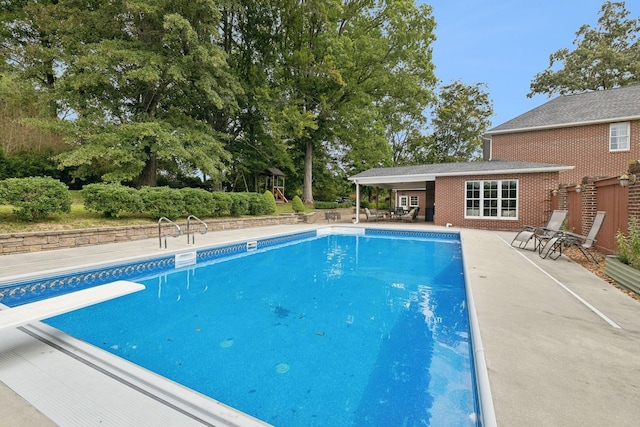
31,312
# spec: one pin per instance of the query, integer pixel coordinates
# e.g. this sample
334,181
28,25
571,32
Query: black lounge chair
540,235
563,240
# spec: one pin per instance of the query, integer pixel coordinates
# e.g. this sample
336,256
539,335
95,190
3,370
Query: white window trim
412,205
406,201
493,218
628,135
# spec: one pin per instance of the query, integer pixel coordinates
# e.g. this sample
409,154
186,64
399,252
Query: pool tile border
26,291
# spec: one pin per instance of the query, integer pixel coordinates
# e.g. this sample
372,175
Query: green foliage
111,199
271,202
26,164
162,201
239,204
198,202
222,203
326,205
604,57
365,204
257,204
36,198
297,205
628,247
460,119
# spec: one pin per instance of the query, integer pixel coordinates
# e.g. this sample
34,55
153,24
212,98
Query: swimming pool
351,327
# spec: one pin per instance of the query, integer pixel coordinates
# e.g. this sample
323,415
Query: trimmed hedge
111,199
221,204
326,205
297,205
36,198
162,201
239,204
198,202
271,202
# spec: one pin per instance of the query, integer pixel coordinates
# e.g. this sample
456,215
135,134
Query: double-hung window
491,199
619,136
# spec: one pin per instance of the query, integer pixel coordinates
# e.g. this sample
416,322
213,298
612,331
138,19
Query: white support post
357,220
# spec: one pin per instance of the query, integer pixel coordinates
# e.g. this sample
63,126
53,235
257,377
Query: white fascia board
396,179
564,125
393,179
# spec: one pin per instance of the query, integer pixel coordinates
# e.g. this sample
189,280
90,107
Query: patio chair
563,240
540,234
372,216
411,215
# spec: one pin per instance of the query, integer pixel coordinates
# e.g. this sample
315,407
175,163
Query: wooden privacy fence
602,194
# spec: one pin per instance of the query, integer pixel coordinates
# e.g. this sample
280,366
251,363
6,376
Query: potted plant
624,266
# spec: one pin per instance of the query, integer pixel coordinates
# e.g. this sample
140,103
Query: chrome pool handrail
193,238
179,232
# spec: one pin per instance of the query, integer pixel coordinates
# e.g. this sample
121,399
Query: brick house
557,148
596,132
495,195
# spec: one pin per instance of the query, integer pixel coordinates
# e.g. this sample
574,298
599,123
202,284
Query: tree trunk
149,175
307,191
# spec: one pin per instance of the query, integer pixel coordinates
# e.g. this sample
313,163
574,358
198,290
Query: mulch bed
597,269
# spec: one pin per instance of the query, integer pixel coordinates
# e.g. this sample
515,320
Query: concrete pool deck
561,345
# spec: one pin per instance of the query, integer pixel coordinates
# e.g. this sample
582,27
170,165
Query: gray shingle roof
610,105
470,168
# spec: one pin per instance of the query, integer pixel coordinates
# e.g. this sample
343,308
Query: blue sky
506,43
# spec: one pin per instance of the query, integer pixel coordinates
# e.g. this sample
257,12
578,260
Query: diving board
31,312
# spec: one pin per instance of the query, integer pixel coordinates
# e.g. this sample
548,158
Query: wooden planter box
623,274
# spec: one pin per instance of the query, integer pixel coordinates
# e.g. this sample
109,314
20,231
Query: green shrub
257,204
111,199
297,205
162,201
221,204
365,204
239,204
271,202
198,202
326,205
36,198
628,247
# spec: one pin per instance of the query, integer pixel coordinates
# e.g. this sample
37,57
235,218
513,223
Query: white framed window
403,202
619,136
491,199
413,201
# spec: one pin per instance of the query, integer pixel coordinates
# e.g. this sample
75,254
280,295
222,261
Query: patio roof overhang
416,177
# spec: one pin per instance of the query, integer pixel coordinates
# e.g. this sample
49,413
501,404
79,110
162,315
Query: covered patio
493,194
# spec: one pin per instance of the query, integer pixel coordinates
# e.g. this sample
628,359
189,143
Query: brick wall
42,241
585,147
634,191
534,201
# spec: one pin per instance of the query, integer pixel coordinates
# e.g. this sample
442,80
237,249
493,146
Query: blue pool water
339,330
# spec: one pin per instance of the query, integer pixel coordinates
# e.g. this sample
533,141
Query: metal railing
178,233
193,237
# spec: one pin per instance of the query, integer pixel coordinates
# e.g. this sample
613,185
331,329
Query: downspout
357,217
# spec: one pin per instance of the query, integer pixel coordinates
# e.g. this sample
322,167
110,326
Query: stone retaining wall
41,241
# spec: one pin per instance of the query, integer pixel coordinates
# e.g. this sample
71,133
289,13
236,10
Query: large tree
138,82
604,57
459,120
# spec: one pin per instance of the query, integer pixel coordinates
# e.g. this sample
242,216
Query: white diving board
33,311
